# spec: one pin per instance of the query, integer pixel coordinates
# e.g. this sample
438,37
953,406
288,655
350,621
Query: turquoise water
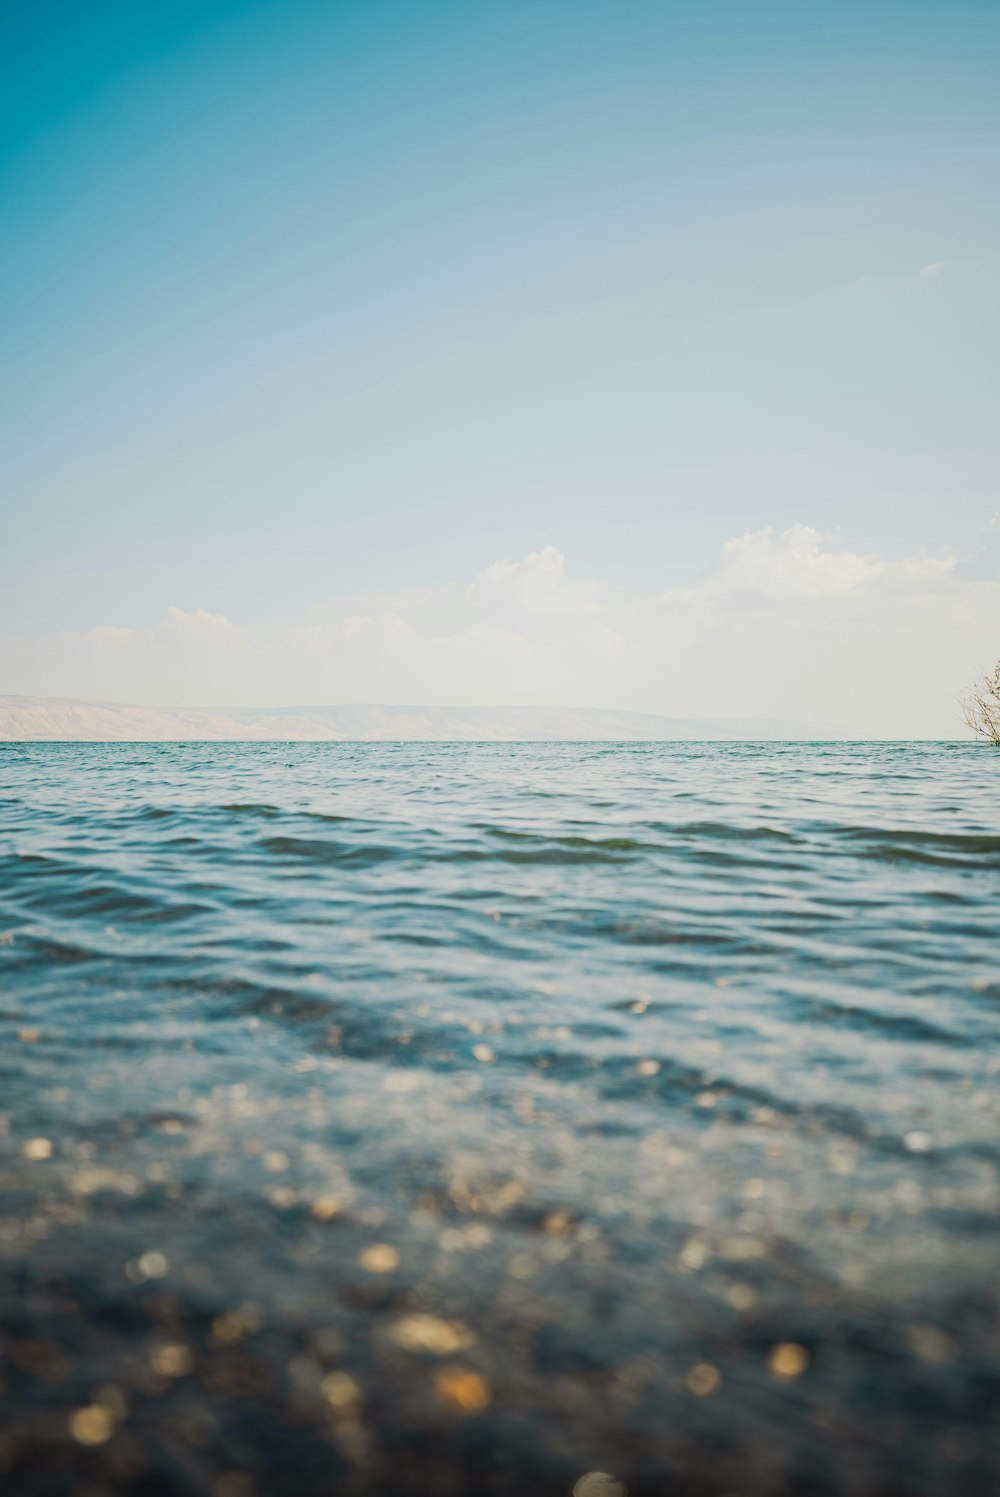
415,1118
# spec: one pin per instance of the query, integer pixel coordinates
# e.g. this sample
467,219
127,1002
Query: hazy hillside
57,718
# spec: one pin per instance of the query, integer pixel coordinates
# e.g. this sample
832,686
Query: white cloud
198,624
540,585
797,563
788,624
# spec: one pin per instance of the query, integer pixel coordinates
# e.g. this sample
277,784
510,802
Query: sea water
480,1118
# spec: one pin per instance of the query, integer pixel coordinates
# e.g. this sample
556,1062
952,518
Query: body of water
476,1119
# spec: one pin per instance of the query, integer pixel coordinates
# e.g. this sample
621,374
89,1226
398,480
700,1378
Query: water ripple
629,1060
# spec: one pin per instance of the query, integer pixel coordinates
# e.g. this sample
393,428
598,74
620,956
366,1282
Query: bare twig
981,706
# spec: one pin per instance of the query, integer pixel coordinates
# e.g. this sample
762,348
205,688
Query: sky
640,356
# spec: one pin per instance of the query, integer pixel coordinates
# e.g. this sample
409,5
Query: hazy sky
489,351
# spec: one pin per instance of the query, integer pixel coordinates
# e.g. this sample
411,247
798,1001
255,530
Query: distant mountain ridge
53,719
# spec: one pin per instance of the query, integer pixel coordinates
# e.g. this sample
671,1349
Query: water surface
415,1118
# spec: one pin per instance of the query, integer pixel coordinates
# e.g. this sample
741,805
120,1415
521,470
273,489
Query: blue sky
311,300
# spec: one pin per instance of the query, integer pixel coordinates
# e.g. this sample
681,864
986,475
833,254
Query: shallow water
414,1118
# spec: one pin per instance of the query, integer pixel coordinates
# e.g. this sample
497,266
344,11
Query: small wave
726,831
327,850
31,947
935,849
572,841
252,808
908,1027
267,812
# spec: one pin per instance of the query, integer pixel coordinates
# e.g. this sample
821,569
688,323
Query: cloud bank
786,625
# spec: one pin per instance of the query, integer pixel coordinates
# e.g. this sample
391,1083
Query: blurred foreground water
475,1119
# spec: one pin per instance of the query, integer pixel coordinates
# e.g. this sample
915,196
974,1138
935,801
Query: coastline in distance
53,719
